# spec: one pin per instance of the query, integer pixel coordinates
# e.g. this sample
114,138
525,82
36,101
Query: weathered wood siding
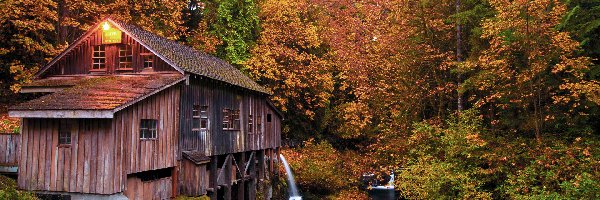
218,141
143,155
272,138
193,179
156,189
79,60
9,149
89,165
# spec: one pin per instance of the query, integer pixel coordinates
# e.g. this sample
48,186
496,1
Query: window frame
199,117
250,124
148,61
99,60
125,52
64,132
204,117
226,119
146,128
231,120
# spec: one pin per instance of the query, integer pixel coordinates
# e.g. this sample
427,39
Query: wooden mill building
129,114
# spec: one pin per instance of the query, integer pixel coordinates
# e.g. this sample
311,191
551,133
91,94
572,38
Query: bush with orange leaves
323,172
9,124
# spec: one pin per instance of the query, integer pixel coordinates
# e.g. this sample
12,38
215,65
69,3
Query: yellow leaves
355,118
21,75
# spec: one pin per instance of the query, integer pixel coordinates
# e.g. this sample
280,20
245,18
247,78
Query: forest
462,99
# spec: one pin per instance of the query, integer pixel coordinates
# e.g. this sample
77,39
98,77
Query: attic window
125,57
99,58
148,61
268,117
147,57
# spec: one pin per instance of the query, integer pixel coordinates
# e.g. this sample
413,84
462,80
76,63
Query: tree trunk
459,59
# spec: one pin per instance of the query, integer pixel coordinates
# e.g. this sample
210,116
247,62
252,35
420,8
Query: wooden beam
41,89
250,159
106,114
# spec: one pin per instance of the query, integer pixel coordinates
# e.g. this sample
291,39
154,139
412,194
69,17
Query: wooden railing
9,149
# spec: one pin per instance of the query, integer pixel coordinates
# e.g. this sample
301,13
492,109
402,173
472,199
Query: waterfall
294,195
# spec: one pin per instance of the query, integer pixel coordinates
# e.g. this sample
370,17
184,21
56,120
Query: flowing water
294,195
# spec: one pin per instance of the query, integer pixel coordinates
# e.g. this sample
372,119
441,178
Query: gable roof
95,96
182,58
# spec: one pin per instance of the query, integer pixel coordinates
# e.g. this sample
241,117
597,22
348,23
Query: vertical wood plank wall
143,155
88,165
9,149
79,60
157,189
218,141
193,178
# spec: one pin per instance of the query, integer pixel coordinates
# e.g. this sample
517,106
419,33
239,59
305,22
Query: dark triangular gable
76,59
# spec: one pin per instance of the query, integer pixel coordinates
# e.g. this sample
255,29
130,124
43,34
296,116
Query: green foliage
203,197
237,25
560,170
8,190
446,162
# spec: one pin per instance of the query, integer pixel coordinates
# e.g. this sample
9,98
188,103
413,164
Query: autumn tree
289,59
529,77
27,39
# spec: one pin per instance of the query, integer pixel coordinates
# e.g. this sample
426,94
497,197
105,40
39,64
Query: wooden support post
174,180
261,164
271,162
241,161
253,177
228,178
278,161
214,173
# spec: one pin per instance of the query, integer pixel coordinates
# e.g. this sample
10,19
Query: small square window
148,128
268,117
64,133
148,61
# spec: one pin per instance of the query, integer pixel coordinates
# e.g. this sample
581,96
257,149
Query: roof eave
102,114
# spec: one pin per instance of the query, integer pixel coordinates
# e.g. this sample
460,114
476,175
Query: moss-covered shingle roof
98,93
191,60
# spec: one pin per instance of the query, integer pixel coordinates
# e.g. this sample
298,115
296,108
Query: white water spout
294,195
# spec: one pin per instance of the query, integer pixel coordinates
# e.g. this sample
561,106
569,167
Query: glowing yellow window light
110,35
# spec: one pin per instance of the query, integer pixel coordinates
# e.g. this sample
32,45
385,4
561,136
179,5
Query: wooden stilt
241,161
228,178
253,176
214,169
261,164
